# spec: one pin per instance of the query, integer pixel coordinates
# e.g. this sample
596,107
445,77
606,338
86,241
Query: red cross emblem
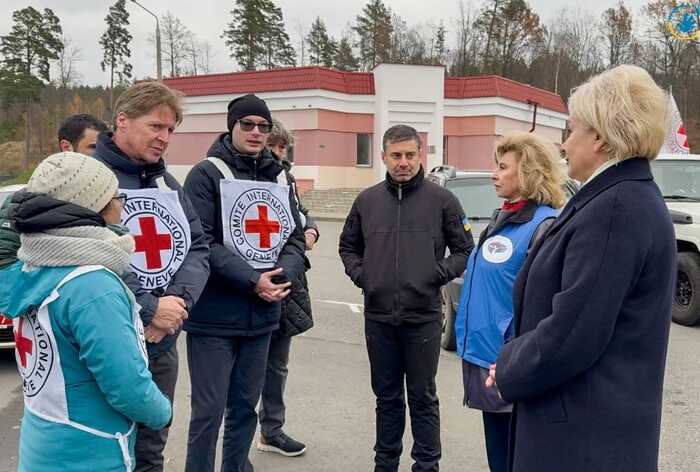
263,227
23,345
682,137
151,242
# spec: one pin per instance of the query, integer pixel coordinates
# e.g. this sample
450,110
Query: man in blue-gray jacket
171,260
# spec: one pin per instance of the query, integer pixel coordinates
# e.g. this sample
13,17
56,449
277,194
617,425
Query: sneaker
281,444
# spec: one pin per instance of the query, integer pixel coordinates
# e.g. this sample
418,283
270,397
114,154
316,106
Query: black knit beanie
245,106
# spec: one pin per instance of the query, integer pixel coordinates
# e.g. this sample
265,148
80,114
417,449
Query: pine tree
115,46
344,57
278,48
35,40
438,52
322,48
244,32
257,37
374,28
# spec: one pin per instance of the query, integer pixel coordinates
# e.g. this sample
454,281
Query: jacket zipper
250,305
396,258
143,178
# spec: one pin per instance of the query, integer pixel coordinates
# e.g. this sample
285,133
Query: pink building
338,118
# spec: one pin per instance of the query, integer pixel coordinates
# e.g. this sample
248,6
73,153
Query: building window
364,149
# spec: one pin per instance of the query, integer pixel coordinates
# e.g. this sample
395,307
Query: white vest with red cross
256,216
161,231
39,364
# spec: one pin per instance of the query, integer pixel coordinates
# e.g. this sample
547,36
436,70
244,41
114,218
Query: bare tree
464,59
176,37
66,64
301,31
616,28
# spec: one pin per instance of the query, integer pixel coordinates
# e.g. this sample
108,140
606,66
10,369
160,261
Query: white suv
678,177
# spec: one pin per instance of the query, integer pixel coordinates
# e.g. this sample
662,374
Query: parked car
474,190
678,177
7,338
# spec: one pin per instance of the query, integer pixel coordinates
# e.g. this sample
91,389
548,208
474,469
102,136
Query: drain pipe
534,114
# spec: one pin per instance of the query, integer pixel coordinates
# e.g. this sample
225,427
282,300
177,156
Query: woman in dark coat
592,303
528,177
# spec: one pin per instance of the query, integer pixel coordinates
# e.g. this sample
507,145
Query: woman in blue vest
529,179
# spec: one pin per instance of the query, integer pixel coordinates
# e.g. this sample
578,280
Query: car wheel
686,301
448,341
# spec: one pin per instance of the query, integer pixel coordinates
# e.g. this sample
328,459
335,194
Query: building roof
496,86
275,80
355,83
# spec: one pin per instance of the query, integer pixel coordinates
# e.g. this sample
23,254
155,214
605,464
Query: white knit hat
75,178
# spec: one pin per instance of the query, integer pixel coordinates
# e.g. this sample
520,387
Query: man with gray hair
393,248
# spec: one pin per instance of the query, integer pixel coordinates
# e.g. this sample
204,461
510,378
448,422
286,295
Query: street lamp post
158,61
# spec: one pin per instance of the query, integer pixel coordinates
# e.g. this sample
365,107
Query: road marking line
354,307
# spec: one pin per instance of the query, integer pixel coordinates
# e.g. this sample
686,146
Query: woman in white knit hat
79,340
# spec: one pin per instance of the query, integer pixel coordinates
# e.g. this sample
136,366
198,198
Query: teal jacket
107,383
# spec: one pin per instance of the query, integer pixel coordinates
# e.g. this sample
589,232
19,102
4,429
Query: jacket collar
635,168
37,212
521,216
265,164
108,152
407,187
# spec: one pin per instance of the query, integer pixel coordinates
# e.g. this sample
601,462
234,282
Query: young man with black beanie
252,224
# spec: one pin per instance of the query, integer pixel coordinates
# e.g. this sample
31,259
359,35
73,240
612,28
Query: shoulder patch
465,223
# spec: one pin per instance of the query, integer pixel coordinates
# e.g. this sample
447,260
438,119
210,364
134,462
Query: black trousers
496,430
272,409
227,375
405,353
150,443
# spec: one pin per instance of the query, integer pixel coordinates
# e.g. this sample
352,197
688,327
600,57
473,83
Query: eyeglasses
247,125
121,197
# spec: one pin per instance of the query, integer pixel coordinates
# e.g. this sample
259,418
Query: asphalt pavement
330,405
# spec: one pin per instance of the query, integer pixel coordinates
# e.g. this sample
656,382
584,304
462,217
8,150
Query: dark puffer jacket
9,238
187,283
296,316
229,305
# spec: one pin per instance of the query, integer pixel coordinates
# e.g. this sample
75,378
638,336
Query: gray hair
400,133
279,134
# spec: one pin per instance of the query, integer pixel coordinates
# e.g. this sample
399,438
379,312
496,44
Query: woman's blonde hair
539,173
626,108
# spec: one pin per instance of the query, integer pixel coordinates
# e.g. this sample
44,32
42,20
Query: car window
477,196
677,178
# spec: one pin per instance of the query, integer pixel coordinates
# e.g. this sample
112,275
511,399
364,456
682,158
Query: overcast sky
83,23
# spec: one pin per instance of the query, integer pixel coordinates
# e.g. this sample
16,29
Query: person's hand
170,314
491,380
153,334
270,291
310,237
